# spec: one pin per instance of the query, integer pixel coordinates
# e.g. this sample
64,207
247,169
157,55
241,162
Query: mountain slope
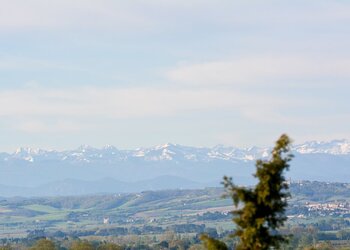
323,161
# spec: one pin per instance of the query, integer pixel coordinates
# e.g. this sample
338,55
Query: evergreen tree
260,211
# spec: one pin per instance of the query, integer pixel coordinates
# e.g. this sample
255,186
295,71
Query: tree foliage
213,244
260,211
110,246
81,245
44,244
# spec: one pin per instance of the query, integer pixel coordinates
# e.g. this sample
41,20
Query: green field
164,209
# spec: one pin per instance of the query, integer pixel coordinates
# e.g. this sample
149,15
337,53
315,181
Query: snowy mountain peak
26,153
334,147
84,148
166,145
170,152
109,148
23,151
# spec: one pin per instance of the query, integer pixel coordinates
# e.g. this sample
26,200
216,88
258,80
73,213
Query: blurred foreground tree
110,246
263,207
81,245
44,244
213,244
8,247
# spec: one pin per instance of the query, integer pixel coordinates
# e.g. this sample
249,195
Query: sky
193,72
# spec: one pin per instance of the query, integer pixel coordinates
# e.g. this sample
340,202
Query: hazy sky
193,72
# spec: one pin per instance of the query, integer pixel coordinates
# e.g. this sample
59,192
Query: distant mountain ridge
169,152
165,166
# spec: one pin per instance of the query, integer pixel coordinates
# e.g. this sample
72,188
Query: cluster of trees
213,216
46,244
303,239
320,191
168,240
121,231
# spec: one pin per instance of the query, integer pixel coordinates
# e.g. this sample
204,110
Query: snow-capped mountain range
168,152
30,171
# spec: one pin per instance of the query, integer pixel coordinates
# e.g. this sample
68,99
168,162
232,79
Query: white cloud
111,102
98,110
124,103
159,14
40,126
65,14
270,70
32,126
24,63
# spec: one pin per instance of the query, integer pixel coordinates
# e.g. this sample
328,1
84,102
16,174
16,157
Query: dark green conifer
260,211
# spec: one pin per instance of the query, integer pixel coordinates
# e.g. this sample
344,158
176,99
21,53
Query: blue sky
201,73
